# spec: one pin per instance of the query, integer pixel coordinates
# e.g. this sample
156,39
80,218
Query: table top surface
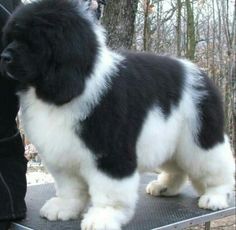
151,212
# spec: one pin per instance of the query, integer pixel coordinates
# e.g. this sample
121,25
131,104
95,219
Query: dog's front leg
113,202
71,198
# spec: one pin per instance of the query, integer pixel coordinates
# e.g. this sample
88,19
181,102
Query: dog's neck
96,85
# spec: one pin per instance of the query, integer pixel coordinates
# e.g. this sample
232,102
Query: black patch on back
211,114
112,129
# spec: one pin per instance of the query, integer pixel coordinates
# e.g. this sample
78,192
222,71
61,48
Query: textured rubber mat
151,212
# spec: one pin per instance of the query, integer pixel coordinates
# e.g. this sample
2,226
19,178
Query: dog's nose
6,57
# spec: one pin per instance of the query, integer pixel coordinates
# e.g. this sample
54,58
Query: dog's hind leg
169,182
113,201
214,179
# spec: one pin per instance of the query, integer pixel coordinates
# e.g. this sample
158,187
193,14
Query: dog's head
52,46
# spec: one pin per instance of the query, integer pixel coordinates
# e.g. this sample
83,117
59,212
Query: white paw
155,188
61,209
102,219
213,202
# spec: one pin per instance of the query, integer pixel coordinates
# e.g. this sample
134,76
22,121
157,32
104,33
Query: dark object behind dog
12,161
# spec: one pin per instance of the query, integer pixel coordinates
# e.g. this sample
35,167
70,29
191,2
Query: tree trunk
233,77
178,27
118,19
191,37
145,28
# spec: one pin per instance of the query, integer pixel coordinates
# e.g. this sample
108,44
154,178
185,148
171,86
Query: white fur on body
72,164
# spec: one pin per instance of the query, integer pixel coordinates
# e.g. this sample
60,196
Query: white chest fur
52,130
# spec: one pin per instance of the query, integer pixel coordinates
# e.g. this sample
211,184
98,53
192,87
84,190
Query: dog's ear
61,86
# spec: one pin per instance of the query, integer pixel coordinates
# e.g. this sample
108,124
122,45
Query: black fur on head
52,46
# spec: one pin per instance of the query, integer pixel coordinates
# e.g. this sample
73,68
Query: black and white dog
98,118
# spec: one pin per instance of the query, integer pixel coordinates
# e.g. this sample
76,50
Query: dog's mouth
5,72
10,75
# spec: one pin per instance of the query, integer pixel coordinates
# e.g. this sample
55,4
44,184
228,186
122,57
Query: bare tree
178,27
119,18
191,37
146,28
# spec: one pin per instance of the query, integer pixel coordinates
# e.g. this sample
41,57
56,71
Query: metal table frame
152,213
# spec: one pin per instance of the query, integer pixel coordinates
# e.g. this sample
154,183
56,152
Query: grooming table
151,212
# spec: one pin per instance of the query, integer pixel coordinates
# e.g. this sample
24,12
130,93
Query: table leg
208,225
